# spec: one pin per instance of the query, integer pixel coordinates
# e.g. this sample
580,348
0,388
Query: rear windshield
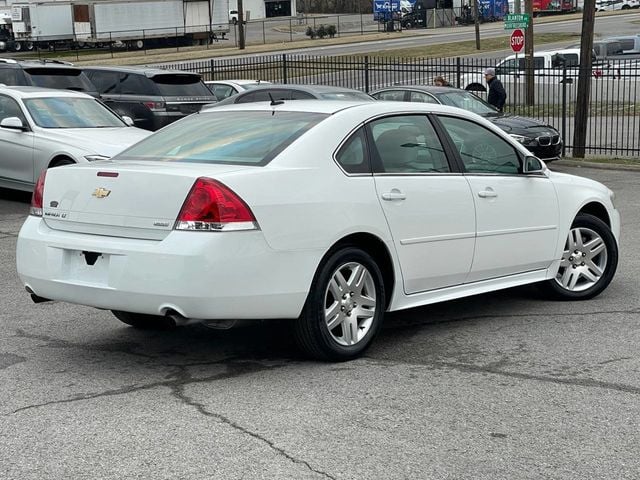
236,138
177,85
64,78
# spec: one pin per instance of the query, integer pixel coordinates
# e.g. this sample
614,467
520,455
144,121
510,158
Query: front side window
352,156
236,138
481,150
70,112
407,144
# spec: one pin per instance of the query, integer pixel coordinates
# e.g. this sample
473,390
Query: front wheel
344,309
588,262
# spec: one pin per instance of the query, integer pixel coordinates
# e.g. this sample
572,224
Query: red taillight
38,194
211,205
155,106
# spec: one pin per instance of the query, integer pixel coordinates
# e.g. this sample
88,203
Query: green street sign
513,21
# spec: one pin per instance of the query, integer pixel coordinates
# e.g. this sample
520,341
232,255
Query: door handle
487,194
394,195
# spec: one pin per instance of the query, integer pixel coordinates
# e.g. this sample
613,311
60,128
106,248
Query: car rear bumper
200,275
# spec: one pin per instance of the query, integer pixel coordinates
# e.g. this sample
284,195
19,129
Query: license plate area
82,266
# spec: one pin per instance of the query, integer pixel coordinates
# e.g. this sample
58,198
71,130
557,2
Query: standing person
497,96
440,81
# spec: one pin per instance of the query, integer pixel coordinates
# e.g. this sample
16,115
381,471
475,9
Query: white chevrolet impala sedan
329,213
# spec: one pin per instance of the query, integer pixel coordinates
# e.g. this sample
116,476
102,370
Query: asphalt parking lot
500,386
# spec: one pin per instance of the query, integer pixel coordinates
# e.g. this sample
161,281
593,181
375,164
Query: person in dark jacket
497,96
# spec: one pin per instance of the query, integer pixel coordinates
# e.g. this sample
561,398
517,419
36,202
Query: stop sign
517,40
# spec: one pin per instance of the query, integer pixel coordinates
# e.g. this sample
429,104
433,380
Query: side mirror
532,165
128,121
13,123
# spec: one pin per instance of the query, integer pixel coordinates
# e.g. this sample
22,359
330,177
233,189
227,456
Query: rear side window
627,43
352,156
105,82
390,95
9,76
63,78
135,84
237,138
181,85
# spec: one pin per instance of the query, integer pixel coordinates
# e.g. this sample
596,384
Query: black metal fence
613,125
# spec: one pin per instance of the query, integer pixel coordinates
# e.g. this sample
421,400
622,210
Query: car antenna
275,102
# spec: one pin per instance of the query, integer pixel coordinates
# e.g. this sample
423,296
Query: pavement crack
178,391
491,369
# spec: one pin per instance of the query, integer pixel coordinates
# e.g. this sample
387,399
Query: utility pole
241,24
584,79
477,23
528,55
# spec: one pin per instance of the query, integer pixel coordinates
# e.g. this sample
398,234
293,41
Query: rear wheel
344,309
58,162
144,322
588,262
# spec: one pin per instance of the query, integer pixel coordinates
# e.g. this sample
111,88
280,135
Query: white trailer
135,22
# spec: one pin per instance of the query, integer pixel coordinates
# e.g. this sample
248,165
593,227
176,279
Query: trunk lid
142,201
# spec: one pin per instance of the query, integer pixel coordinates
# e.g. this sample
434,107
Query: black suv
46,74
152,97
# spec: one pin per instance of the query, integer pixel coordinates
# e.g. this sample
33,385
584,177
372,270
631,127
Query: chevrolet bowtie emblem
101,192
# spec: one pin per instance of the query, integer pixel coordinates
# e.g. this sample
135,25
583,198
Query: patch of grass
634,161
467,47
621,109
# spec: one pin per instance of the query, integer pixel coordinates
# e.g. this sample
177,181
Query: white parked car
42,128
611,5
330,213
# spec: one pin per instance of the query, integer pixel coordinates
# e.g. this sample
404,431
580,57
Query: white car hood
100,141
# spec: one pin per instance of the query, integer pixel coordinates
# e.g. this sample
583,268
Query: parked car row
73,128
151,97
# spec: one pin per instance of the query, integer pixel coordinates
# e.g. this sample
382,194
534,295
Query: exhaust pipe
36,298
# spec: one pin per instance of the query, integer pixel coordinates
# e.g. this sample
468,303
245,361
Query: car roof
149,72
239,81
39,92
304,88
422,88
331,107
42,63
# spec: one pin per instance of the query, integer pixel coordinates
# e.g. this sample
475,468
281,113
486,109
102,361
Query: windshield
181,85
238,138
69,112
62,78
346,96
466,101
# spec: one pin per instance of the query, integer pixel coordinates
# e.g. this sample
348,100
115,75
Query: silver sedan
42,128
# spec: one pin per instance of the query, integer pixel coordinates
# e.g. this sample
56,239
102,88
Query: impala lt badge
101,192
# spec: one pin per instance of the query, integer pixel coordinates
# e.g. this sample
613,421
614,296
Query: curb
597,165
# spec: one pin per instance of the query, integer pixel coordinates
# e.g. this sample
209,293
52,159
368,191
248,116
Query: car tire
347,292
143,321
588,263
